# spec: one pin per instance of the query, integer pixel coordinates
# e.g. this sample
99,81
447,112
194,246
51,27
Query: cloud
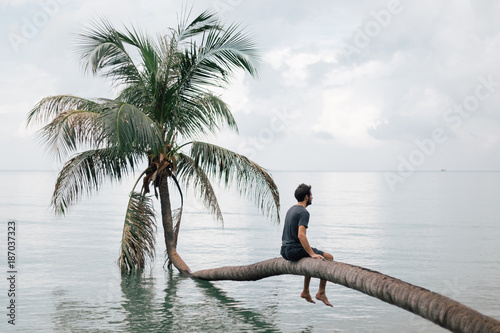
399,87
358,112
399,128
323,135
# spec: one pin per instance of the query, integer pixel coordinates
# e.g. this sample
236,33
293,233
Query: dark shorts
295,252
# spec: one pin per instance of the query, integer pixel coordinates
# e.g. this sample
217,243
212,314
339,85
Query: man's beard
309,202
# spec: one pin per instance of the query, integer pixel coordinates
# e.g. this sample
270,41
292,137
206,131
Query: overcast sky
346,85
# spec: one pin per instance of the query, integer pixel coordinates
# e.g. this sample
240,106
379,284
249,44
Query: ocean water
438,230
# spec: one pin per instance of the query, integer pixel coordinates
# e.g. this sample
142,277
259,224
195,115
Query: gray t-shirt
296,215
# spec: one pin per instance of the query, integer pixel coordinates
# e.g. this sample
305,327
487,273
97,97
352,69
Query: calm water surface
438,230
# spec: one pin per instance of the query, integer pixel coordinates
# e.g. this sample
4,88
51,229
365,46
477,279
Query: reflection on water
247,319
75,315
144,310
140,306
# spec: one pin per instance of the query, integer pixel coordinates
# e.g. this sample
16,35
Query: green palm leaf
220,53
130,129
81,123
205,114
49,107
86,172
70,131
146,48
250,179
204,22
103,51
192,174
139,233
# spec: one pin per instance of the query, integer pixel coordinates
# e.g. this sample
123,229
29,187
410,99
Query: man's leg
295,253
321,295
305,293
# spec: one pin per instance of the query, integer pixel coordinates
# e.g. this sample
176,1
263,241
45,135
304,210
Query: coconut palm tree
163,109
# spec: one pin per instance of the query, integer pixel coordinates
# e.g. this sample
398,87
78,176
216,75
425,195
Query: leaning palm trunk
439,309
168,228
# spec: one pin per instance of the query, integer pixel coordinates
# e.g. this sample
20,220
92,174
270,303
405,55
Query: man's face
309,199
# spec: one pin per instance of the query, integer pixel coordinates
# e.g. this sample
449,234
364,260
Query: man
295,245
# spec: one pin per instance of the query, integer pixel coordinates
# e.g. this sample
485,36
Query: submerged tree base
437,308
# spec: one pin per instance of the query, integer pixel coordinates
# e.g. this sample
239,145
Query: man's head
303,192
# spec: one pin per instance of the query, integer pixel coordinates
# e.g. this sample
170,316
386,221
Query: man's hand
305,243
317,256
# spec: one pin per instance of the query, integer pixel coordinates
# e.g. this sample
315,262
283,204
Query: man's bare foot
307,297
324,299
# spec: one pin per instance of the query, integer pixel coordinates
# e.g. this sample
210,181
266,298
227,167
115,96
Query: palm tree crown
163,107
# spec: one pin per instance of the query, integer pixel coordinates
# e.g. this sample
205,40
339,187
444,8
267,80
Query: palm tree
164,106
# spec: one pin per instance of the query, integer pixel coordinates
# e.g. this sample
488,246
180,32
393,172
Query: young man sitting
295,245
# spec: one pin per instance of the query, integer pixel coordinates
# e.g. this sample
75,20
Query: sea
438,230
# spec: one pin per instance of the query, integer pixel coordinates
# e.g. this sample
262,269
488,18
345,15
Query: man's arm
305,243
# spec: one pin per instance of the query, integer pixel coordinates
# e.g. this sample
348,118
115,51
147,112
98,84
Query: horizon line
277,170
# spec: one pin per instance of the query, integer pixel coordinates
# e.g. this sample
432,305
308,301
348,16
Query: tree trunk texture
437,308
168,228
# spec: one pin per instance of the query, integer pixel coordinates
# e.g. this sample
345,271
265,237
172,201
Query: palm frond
71,130
250,179
230,49
217,111
168,57
102,51
204,22
130,128
177,214
192,174
139,233
219,55
176,218
206,113
138,96
49,107
146,48
86,172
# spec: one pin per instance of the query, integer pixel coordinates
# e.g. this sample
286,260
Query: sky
345,85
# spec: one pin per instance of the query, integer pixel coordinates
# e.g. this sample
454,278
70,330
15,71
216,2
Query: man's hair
302,191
